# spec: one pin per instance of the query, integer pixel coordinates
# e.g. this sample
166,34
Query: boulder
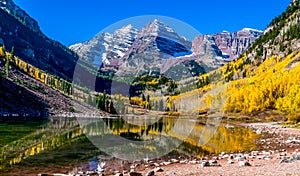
134,173
150,173
158,169
212,161
167,163
174,160
204,164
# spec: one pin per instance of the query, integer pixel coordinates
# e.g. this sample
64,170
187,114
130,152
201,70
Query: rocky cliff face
158,37
232,45
129,48
10,7
152,48
156,47
106,48
206,50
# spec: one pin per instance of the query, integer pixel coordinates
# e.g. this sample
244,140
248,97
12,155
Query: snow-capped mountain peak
158,28
252,30
127,29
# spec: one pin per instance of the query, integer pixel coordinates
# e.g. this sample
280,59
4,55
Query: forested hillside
27,91
265,77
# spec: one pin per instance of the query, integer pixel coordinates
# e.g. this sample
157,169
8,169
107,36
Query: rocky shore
278,153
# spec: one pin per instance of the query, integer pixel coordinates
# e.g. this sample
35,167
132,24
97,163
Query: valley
143,99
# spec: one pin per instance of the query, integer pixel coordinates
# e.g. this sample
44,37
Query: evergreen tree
112,109
89,100
104,105
161,105
143,97
7,66
148,100
12,54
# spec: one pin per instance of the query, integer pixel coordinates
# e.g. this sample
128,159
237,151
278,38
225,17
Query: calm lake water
64,141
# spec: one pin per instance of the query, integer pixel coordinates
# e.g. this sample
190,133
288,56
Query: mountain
157,38
19,30
106,45
234,44
264,78
113,50
153,49
36,80
157,47
10,7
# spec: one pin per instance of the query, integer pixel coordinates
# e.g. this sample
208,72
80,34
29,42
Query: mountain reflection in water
59,132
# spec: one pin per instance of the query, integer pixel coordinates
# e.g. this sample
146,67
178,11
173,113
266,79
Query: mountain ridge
10,7
142,40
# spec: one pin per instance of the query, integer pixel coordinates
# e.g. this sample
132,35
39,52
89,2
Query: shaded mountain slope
22,95
35,48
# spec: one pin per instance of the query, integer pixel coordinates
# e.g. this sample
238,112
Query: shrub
293,118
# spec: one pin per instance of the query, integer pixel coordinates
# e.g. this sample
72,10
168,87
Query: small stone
215,164
230,161
170,173
183,161
215,158
213,161
125,171
285,161
283,154
89,173
156,165
244,163
260,157
296,157
158,169
193,162
226,156
240,158
134,173
174,160
204,164
268,157
150,173
252,157
167,163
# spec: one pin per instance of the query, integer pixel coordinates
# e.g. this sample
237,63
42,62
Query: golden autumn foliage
40,75
273,85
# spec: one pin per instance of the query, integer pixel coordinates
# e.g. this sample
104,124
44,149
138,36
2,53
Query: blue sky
73,21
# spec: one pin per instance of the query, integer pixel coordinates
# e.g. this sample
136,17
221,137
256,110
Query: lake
62,143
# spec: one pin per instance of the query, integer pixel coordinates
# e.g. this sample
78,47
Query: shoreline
277,153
